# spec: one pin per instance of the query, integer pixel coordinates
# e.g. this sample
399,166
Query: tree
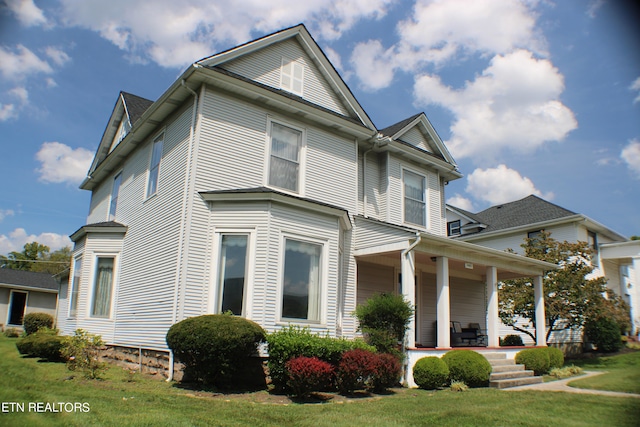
37,257
569,296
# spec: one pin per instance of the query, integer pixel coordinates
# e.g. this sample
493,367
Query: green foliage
214,347
534,359
605,334
34,321
383,319
293,341
556,357
566,372
45,344
12,332
511,341
468,366
569,295
36,257
431,373
82,353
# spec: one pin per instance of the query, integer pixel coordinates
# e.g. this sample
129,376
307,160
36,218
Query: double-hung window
415,207
103,287
154,166
301,288
232,273
75,287
114,196
284,162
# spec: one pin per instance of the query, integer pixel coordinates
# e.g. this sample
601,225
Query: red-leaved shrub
355,370
386,372
308,374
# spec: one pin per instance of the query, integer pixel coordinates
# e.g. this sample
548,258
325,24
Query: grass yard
623,373
149,401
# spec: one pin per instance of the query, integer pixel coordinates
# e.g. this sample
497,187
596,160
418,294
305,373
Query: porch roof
465,259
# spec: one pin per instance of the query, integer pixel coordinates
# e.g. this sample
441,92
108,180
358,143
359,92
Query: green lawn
150,401
623,373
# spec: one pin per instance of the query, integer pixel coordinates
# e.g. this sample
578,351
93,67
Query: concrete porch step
502,362
515,382
496,376
507,368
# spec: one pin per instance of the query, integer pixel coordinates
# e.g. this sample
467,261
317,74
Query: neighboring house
507,225
257,184
24,292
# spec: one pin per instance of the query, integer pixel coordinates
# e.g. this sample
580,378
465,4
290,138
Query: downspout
185,196
403,254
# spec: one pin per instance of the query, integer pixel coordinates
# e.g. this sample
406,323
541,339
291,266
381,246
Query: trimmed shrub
308,374
45,344
556,357
430,373
12,332
355,370
383,319
512,341
214,347
468,366
82,353
605,334
293,341
535,359
386,372
34,321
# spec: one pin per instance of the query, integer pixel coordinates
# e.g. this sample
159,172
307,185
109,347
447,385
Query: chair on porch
463,335
481,336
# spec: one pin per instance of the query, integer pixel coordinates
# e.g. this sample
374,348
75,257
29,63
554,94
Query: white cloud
5,213
631,156
58,56
20,63
8,112
16,240
635,86
460,202
373,65
501,185
62,164
27,12
513,105
21,94
593,7
174,33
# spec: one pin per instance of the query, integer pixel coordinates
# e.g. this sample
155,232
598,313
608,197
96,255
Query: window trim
291,87
424,193
114,284
113,209
75,287
159,138
301,156
451,225
323,270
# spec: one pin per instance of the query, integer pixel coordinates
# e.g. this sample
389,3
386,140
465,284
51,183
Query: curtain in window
285,151
75,291
301,288
102,288
414,206
231,281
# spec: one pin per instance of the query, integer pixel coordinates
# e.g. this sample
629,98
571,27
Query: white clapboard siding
100,200
376,185
414,137
264,66
374,279
370,234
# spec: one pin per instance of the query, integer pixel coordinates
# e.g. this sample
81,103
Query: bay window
103,287
301,287
232,273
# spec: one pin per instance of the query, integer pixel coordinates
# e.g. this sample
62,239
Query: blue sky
531,97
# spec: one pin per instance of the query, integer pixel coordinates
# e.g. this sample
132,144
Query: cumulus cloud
174,33
500,185
460,202
635,86
513,105
7,112
21,62
631,156
16,240
58,56
373,65
5,213
59,163
27,13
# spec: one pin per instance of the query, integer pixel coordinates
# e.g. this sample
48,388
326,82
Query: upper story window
284,162
114,196
292,76
75,287
415,206
154,166
453,228
103,287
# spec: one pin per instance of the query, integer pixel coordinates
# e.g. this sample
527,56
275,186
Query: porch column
443,306
493,320
541,326
408,269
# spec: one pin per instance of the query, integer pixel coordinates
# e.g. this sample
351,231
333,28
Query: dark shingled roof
136,106
27,279
467,214
530,210
393,129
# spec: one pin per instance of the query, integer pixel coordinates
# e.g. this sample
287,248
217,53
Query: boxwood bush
556,357
214,347
430,373
605,334
535,359
35,321
383,319
512,341
45,344
293,341
468,366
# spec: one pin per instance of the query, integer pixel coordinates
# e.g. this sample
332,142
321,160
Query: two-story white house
257,184
508,225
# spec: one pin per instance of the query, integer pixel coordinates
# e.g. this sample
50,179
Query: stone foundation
154,362
569,349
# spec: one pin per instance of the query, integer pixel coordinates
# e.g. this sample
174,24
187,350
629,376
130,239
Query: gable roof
28,280
135,106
